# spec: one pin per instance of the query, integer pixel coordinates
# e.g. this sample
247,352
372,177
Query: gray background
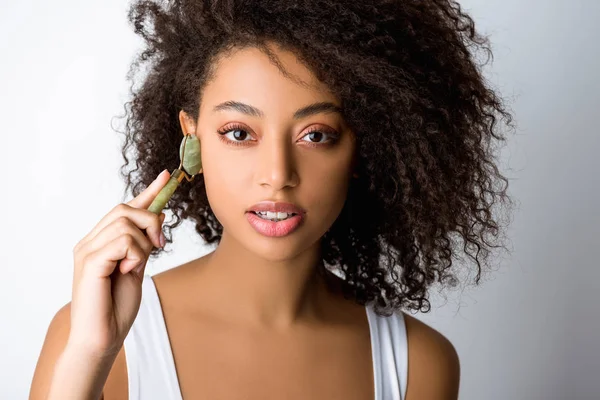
529,332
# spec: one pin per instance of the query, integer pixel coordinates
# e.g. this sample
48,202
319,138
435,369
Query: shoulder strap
151,369
390,355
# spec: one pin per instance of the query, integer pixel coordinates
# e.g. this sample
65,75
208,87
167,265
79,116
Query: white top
151,369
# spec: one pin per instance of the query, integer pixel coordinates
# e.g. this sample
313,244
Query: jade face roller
190,165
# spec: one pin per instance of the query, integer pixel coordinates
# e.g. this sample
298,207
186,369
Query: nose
276,166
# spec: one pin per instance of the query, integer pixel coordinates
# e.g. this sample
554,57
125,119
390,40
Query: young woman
366,128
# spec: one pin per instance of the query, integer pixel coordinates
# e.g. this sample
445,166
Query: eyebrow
312,109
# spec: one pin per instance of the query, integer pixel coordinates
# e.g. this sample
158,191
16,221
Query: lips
273,206
272,228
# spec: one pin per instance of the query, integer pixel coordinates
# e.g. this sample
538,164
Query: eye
316,134
234,134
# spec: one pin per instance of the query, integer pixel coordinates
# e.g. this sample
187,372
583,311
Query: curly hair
425,119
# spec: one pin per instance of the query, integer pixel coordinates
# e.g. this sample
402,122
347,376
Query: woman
368,127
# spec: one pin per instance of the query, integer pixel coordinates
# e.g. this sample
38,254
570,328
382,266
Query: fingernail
163,171
162,240
139,267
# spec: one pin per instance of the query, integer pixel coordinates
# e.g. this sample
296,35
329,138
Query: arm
65,372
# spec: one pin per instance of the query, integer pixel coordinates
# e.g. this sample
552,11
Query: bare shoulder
433,363
53,346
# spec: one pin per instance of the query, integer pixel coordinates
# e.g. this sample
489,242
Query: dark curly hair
425,120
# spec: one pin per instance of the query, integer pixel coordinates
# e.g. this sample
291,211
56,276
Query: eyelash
333,135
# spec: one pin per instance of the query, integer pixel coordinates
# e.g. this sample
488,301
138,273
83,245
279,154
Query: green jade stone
192,163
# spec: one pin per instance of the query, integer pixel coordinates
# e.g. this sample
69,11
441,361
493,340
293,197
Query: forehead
250,76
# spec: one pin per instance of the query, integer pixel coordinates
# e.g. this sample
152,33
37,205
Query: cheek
327,194
226,183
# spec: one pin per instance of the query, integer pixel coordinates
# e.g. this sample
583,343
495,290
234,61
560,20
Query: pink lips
271,228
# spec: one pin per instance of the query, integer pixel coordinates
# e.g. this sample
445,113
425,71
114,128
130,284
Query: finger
143,219
150,192
120,226
102,262
145,198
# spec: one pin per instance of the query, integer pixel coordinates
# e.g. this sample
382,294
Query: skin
237,316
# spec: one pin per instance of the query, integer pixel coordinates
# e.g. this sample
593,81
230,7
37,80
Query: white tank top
151,369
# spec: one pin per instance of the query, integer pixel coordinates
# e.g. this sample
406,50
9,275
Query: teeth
274,216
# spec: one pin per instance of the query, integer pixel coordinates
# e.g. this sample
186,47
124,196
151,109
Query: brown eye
235,135
315,136
239,134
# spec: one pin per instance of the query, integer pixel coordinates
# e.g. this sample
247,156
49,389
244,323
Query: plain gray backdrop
530,331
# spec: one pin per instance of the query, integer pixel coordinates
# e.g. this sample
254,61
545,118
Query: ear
188,126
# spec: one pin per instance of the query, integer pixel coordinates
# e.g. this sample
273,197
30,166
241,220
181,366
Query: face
270,153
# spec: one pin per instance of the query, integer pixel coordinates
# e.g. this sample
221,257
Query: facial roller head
192,163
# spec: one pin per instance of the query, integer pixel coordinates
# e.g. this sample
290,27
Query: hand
109,265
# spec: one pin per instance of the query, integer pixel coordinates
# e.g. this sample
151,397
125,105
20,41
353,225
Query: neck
273,293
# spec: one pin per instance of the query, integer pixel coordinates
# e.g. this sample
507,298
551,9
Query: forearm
79,375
